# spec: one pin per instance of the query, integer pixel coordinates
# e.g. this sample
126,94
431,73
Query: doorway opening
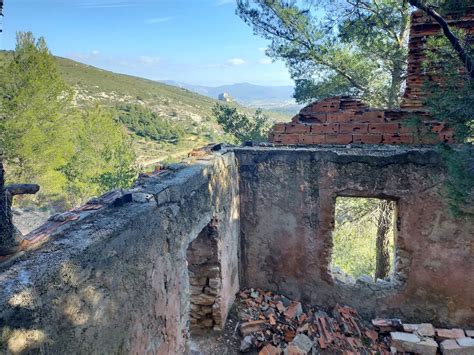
204,280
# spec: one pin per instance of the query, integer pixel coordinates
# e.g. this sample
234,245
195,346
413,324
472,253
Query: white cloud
224,2
147,60
236,62
265,61
158,20
92,55
262,49
104,4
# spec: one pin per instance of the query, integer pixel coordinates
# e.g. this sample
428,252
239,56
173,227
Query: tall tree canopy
35,135
336,47
73,154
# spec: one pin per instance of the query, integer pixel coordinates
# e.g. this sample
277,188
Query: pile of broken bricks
272,324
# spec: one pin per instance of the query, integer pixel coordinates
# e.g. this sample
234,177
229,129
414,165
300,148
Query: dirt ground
226,342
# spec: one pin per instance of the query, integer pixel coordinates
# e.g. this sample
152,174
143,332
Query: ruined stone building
128,272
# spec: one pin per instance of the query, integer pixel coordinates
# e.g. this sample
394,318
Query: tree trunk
8,243
382,267
395,86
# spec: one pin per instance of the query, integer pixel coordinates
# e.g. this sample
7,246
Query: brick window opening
363,239
204,280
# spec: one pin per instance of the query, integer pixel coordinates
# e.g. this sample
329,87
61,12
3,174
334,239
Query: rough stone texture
117,282
463,346
287,210
455,333
116,279
205,279
411,343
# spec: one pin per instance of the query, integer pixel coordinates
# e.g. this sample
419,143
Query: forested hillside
188,113
78,130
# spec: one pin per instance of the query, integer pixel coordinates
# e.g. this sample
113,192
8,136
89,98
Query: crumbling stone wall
121,279
287,217
205,280
117,281
422,28
346,120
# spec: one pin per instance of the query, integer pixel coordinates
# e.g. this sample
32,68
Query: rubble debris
387,325
246,343
410,342
462,346
275,325
423,329
443,334
283,326
302,344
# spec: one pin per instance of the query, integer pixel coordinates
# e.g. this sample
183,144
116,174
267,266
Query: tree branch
22,189
462,54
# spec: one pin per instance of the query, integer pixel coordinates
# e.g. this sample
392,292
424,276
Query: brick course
356,123
345,120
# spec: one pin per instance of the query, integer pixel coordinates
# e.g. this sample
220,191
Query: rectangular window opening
363,239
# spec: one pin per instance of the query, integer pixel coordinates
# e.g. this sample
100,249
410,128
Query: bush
148,124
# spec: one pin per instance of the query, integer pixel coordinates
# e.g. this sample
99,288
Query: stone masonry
119,275
204,280
115,280
288,200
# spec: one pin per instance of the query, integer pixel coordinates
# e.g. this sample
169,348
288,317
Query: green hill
191,111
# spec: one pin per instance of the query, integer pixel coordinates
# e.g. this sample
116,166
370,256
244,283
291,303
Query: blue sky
194,41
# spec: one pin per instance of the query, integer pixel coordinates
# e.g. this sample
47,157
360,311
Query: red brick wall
422,27
345,120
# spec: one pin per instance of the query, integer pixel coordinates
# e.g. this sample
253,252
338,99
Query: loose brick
373,116
384,128
313,118
275,138
397,138
279,128
367,138
338,138
353,127
290,139
297,128
311,139
325,128
252,326
454,333
341,116
327,107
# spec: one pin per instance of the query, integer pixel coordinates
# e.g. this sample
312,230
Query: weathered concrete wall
117,281
287,210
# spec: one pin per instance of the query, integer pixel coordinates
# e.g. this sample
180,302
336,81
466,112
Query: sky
200,42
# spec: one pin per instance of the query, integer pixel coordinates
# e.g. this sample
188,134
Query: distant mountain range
250,95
